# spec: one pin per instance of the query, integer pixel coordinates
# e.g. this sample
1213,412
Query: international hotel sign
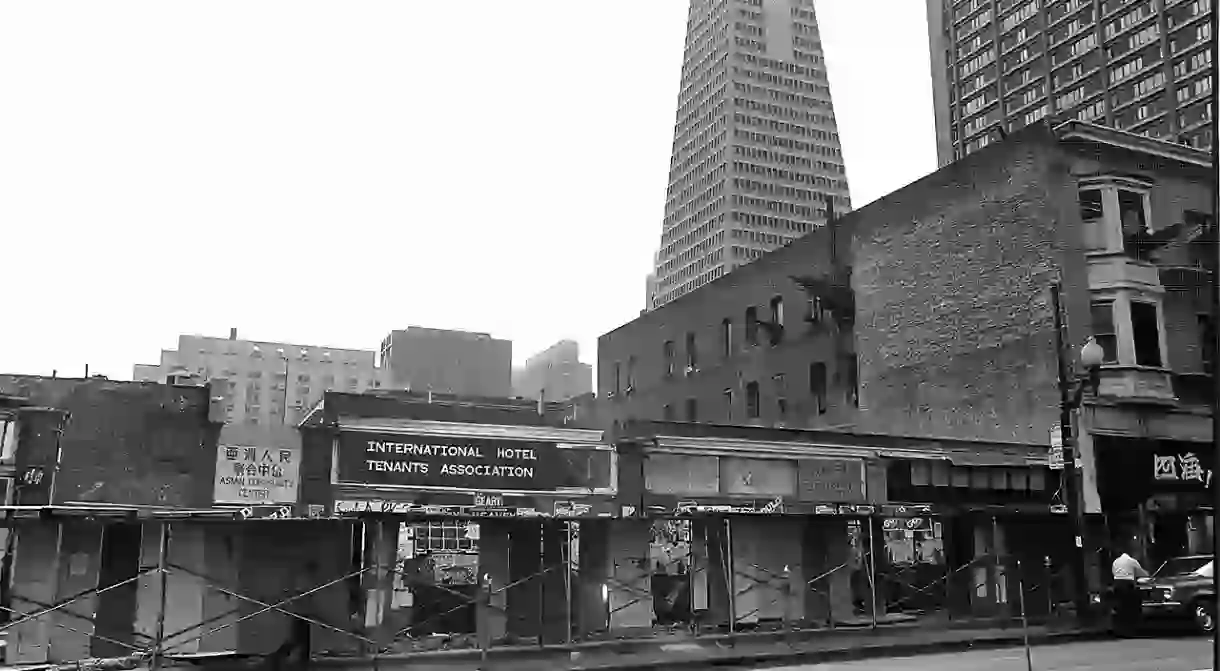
443,461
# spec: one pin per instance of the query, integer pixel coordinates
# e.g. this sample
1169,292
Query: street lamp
1071,396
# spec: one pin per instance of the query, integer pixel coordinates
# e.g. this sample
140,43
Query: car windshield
1184,565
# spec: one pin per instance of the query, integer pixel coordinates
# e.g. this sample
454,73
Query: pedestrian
1127,571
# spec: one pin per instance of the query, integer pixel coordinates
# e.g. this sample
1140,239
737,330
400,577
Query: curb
861,652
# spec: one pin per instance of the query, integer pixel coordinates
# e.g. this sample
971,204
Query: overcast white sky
324,172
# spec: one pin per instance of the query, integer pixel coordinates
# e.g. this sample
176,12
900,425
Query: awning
416,427
783,449
89,509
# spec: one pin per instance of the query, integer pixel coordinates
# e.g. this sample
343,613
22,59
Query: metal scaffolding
378,635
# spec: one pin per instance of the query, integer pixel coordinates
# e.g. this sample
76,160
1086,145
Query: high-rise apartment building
451,362
1142,66
554,374
756,154
268,382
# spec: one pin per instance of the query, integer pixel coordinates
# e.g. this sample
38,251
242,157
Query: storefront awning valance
732,447
87,509
415,427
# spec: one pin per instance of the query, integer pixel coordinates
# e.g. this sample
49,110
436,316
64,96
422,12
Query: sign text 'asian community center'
441,461
257,475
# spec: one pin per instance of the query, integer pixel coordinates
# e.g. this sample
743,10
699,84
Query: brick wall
122,442
702,312
955,330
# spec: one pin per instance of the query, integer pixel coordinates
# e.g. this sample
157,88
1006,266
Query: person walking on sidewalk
1127,571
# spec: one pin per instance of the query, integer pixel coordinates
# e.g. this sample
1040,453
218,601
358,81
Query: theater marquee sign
452,462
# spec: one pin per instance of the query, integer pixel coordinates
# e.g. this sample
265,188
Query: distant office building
1136,65
268,382
450,362
554,374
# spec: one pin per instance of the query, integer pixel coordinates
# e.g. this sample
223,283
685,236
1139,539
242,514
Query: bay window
1115,213
1128,327
1104,332
1146,333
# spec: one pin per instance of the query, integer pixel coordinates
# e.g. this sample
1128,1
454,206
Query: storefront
446,504
1157,494
747,527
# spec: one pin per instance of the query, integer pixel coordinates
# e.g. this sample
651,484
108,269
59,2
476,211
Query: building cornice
1079,130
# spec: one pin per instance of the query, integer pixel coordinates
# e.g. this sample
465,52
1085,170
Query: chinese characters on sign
257,475
1183,467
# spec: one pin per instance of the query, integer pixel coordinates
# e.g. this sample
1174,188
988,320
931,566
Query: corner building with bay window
756,161
949,335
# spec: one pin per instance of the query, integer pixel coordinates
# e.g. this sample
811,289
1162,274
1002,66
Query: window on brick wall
817,386
668,353
728,404
781,394
777,320
753,404
1146,333
852,380
726,338
630,374
1104,333
813,310
8,437
692,353
618,378
751,325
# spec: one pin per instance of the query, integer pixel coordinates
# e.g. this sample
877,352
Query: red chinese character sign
257,475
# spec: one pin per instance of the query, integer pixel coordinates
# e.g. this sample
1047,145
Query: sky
321,173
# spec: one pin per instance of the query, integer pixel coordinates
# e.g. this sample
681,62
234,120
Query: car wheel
1205,616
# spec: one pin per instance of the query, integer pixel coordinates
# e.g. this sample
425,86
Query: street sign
1054,458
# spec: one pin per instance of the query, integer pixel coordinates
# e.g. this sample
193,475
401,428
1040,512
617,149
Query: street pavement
1141,654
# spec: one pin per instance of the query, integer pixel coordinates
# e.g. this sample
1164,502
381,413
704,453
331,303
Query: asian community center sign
257,475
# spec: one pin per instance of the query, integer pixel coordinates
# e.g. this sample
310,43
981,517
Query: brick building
951,318
753,348
952,278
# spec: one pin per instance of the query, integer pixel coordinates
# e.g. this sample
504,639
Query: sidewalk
746,650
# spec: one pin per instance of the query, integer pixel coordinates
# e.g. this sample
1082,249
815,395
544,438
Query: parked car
1182,589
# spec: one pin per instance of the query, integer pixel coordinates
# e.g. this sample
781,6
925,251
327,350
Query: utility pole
1213,268
1070,481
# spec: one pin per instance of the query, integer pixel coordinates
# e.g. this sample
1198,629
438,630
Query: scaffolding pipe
567,580
726,558
872,570
163,579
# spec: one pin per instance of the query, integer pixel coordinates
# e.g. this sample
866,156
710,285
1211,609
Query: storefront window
585,468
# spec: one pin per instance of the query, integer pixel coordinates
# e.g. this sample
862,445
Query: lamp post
1071,396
